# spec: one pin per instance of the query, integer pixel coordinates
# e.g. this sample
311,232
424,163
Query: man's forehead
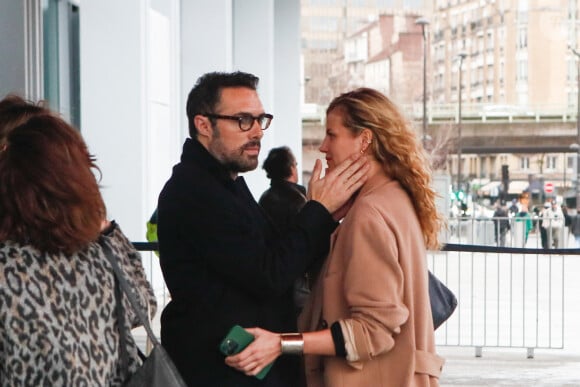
240,99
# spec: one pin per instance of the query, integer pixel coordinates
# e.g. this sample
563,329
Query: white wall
128,94
270,49
20,64
287,127
253,23
206,44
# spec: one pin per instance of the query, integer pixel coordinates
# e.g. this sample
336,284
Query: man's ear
203,125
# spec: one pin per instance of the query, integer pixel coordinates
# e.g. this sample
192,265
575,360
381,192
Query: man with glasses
223,261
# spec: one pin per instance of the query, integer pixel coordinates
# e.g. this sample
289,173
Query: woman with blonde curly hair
368,321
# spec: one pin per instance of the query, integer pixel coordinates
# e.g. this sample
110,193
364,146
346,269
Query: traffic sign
548,187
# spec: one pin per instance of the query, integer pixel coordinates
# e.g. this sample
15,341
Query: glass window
551,162
570,161
523,36
62,58
522,70
524,163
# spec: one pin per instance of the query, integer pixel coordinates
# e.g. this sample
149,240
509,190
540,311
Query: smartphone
235,341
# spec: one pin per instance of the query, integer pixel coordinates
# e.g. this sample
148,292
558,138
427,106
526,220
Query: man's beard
235,161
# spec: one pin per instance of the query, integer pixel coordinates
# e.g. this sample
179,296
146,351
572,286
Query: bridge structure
507,130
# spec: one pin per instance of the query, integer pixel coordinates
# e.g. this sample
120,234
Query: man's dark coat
225,264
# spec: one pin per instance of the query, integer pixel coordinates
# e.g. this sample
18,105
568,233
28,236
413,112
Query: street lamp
577,54
461,57
423,22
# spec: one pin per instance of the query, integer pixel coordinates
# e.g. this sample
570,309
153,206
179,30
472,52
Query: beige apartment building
517,62
325,26
516,52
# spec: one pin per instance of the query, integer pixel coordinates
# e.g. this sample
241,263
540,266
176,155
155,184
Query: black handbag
443,301
157,369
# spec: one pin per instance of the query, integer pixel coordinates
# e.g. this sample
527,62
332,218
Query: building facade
325,26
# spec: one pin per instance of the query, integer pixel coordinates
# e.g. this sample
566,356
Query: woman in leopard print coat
58,325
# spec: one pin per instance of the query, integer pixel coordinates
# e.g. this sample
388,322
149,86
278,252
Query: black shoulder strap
124,285
120,312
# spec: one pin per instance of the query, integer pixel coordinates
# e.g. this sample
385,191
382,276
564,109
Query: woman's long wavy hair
49,196
396,147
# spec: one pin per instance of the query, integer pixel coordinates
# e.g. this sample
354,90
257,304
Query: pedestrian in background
285,197
541,213
524,223
553,223
282,202
501,223
575,228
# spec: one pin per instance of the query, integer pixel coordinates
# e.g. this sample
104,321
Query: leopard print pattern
58,325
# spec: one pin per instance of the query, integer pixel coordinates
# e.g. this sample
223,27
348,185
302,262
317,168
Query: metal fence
511,297
511,290
513,300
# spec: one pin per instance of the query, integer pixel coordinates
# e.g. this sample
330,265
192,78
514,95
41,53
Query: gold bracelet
292,343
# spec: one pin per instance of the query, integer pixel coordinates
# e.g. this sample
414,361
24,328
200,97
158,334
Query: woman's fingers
262,351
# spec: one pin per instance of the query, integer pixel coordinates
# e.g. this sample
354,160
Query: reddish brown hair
14,111
49,196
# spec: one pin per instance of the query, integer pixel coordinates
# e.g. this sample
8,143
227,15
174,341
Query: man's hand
338,185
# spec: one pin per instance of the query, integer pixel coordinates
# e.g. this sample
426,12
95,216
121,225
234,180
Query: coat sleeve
374,289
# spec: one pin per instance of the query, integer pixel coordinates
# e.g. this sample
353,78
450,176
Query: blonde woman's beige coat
374,283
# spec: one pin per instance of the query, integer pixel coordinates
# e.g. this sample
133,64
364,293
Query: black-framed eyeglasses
246,121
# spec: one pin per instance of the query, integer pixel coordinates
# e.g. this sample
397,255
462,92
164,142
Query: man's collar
193,150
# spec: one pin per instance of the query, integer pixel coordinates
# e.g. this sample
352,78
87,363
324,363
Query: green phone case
235,341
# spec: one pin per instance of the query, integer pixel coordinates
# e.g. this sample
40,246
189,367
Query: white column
206,44
267,44
128,93
253,23
287,127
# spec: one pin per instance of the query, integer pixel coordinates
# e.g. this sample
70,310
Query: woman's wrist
292,344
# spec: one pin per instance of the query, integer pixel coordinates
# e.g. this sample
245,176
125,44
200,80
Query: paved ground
509,368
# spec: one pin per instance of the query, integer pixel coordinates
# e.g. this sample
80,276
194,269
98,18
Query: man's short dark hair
206,92
279,163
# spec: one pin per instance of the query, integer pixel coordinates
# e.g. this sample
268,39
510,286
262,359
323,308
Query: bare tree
439,145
